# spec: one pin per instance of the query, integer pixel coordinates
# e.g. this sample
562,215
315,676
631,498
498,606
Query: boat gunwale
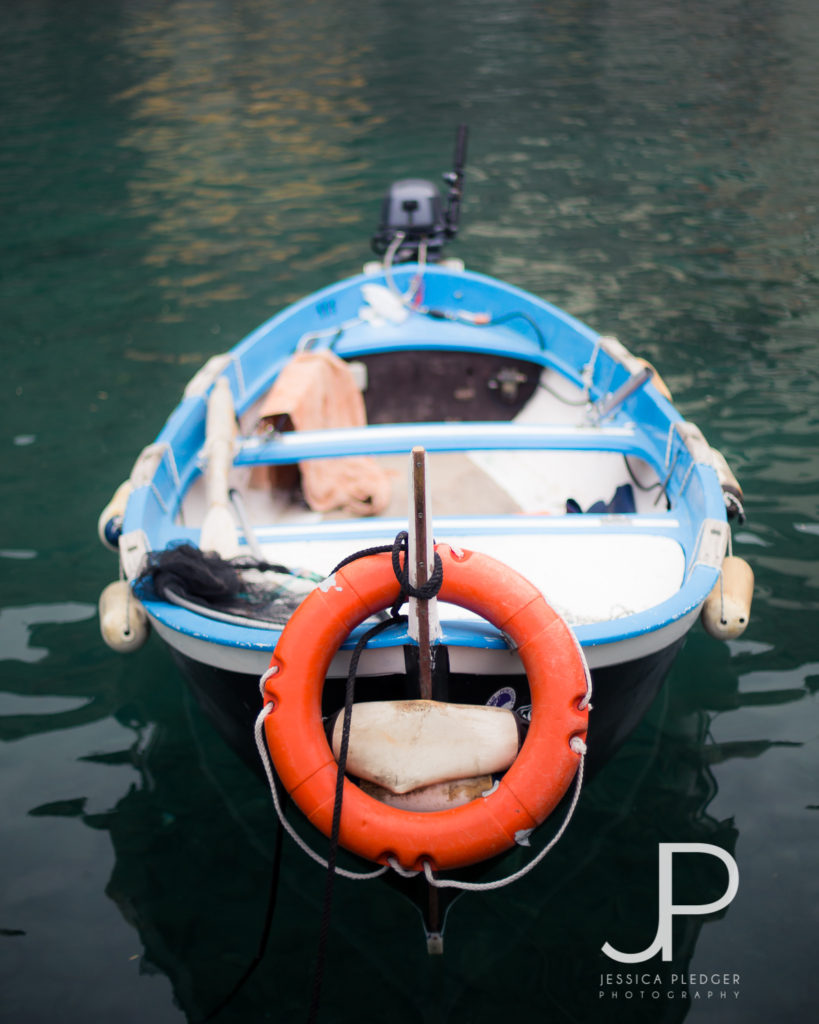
266,349
685,602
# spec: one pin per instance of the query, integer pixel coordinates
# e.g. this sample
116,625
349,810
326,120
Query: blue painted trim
455,634
388,439
556,340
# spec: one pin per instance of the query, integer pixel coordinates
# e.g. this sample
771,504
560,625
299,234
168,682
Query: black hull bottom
621,695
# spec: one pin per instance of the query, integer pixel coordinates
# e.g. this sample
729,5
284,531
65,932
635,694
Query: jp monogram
662,940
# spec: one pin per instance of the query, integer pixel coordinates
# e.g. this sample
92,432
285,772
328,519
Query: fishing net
241,588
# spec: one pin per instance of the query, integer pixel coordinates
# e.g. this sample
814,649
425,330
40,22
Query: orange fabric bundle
317,391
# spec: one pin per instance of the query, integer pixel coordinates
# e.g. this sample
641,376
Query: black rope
332,854
518,314
441,314
423,593
380,550
636,482
562,398
272,895
427,590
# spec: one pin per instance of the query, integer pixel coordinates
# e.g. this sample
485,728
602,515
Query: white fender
438,797
656,379
727,609
728,482
147,463
405,744
115,508
694,440
124,622
618,351
206,375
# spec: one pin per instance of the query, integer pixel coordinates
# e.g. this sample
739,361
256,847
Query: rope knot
427,590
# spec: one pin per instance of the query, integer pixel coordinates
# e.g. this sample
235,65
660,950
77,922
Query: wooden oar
219,528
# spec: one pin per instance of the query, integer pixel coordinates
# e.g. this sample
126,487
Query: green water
170,175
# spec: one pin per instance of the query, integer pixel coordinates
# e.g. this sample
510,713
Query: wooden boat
422,397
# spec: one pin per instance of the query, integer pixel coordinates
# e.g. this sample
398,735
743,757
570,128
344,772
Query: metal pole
424,625
420,554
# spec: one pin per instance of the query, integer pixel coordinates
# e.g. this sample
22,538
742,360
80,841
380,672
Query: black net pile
241,587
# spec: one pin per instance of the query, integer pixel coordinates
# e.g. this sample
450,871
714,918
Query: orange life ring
530,789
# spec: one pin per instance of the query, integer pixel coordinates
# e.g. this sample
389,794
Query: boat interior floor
499,502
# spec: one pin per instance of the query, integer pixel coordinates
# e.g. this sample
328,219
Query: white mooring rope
451,883
261,746
576,743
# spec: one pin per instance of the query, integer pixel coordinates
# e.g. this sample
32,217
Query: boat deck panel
586,577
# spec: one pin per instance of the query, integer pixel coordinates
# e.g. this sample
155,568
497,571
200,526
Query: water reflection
651,167
193,866
244,142
16,625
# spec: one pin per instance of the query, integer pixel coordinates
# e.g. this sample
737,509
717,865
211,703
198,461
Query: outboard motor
413,215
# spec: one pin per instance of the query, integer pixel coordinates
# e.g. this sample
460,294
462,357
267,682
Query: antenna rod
455,180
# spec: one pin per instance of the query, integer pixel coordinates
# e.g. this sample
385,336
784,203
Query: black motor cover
412,206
